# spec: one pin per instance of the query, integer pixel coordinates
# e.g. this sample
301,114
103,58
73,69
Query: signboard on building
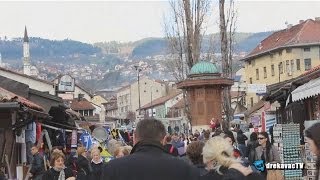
66,83
257,88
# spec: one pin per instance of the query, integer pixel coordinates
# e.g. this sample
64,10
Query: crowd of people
211,154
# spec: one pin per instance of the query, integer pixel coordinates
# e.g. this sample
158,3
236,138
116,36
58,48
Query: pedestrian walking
148,159
37,165
313,140
58,171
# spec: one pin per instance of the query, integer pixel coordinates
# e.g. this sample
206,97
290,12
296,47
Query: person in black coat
37,165
251,147
84,167
58,170
241,139
96,164
148,159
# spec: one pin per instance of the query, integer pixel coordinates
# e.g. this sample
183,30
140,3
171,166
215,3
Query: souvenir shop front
17,115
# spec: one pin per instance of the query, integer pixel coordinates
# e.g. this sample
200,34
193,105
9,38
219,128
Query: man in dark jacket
148,160
37,165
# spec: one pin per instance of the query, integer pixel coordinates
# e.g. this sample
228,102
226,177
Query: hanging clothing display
86,140
39,131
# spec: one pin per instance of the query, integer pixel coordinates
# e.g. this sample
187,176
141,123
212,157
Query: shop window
291,66
307,64
272,70
298,64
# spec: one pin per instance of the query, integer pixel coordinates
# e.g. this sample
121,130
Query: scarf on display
62,175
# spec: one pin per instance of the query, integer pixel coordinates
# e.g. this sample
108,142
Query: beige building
128,96
124,101
284,55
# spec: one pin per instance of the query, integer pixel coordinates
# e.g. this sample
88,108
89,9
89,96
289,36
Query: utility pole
151,103
138,70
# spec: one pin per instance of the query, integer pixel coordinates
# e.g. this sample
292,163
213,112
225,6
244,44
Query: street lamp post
138,70
151,103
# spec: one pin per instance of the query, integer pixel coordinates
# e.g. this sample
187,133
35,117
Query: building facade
284,55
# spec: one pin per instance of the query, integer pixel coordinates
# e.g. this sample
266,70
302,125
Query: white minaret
26,54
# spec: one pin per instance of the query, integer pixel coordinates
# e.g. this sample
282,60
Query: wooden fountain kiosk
204,86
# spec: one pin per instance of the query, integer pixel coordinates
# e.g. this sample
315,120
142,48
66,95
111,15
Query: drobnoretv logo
261,166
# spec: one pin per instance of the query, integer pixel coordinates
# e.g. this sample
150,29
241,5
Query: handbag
274,175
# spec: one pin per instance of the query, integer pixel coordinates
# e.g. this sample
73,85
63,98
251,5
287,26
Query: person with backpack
169,147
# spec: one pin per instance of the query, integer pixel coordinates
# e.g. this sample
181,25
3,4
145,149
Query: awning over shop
307,90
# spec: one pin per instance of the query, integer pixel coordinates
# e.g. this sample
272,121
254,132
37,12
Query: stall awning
307,90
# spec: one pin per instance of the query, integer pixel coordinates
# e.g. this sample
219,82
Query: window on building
250,80
271,55
281,68
291,65
288,50
249,62
287,66
265,72
272,70
251,101
306,49
298,64
257,74
280,52
307,64
253,62
90,112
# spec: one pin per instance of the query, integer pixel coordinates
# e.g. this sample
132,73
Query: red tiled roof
161,100
305,33
6,95
81,105
311,70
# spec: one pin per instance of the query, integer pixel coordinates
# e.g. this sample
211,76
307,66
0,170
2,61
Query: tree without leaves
227,32
184,35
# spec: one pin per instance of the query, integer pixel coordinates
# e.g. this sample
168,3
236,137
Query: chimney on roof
317,19
301,21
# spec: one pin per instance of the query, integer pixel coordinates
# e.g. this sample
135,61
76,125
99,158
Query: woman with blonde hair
122,151
220,162
96,164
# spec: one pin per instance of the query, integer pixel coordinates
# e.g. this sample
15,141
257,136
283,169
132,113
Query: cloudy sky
132,20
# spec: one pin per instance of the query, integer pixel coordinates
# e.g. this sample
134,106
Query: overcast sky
132,20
